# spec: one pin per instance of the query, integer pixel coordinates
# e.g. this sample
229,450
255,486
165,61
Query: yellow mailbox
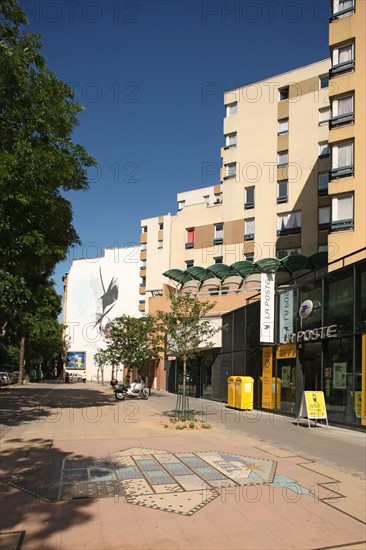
244,386
231,391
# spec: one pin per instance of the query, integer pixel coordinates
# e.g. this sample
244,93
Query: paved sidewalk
81,470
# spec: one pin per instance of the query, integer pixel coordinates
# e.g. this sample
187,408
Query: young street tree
188,331
38,159
133,342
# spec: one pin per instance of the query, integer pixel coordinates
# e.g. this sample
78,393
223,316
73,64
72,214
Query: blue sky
151,76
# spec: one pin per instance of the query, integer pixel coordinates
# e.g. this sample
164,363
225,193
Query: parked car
12,374
77,377
4,379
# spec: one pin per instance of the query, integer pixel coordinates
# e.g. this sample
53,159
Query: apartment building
347,129
272,198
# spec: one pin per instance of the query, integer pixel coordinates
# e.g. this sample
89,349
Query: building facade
97,290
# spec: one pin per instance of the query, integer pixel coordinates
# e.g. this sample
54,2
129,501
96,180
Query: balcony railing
341,225
341,120
342,13
342,68
288,231
342,172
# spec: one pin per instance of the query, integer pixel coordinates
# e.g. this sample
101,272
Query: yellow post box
231,391
244,389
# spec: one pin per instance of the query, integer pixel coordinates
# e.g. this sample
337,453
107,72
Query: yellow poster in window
358,404
315,404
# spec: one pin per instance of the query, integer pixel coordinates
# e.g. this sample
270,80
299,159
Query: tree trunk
184,374
21,360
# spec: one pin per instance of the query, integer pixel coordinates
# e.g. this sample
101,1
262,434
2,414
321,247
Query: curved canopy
289,264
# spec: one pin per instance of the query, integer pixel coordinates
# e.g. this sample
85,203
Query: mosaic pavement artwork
180,482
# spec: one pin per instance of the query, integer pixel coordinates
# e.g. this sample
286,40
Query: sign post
313,407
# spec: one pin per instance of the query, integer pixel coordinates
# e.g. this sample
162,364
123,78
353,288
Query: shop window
339,301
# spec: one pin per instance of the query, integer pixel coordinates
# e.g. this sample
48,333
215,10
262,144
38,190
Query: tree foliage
38,158
39,162
132,342
188,330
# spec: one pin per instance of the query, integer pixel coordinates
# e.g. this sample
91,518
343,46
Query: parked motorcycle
136,389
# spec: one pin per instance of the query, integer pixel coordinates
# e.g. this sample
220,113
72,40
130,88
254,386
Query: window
230,170
322,248
189,263
181,205
218,260
288,252
342,59
342,160
160,245
342,213
323,218
323,81
289,224
324,150
342,111
282,127
217,199
249,229
161,226
283,93
249,198
219,233
143,282
206,199
143,264
282,191
143,247
230,139
144,229
231,109
249,256
324,115
342,8
282,158
323,180
190,238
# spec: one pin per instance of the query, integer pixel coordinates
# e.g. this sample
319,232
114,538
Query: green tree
133,342
188,330
39,162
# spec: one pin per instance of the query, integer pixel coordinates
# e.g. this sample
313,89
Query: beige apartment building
347,130
269,202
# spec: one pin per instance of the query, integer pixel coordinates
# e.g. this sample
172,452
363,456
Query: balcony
341,225
342,172
342,13
288,231
342,68
341,120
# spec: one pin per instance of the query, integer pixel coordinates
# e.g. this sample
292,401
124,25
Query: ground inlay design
180,482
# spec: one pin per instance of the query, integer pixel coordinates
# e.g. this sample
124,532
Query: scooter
136,389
